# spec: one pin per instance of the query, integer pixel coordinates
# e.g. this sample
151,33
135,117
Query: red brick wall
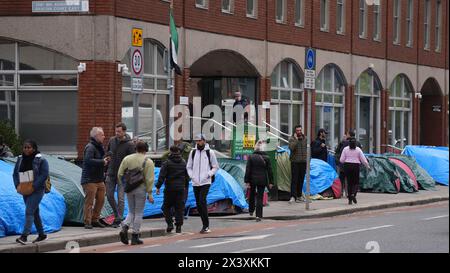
431,57
99,100
367,46
400,52
287,32
330,40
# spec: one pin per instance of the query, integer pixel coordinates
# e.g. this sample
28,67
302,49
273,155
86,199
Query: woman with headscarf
36,168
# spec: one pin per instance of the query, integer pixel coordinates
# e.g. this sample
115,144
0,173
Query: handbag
134,178
26,180
48,185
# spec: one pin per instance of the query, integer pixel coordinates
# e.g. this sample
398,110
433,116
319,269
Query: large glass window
400,112
330,87
340,17
38,95
153,103
324,15
409,23
362,19
396,25
287,95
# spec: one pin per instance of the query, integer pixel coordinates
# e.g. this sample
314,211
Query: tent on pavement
12,212
435,160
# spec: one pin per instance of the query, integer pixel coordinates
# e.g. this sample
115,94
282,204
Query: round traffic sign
310,59
137,62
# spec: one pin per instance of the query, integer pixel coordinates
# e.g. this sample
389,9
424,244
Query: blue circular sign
310,59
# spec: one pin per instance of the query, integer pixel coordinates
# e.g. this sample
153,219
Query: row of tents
418,168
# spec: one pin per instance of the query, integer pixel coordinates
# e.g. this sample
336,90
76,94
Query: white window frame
230,8
427,22
325,26
396,32
283,12
438,27
377,13
394,109
254,14
202,5
340,30
362,11
409,23
300,17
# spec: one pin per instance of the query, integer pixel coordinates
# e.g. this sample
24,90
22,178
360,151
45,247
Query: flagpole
170,83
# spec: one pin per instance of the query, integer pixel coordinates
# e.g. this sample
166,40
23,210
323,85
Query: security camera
371,66
122,68
418,95
81,67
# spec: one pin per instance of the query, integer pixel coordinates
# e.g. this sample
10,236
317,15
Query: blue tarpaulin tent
12,208
322,176
224,187
433,159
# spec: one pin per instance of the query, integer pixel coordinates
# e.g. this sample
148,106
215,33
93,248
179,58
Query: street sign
137,84
60,6
137,61
310,83
136,37
310,73
310,59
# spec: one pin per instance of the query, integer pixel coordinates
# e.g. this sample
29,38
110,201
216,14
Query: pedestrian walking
131,165
93,177
258,176
297,145
352,157
119,147
318,147
174,175
337,155
202,165
30,175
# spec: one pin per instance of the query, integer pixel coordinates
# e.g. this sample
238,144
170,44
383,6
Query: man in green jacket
297,145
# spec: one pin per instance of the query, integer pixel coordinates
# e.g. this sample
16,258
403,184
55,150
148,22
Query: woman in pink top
352,157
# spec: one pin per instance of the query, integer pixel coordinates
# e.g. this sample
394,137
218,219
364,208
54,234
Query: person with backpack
132,166
30,175
174,175
258,176
202,165
352,157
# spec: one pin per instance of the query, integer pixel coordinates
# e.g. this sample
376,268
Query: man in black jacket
318,147
119,147
174,174
92,178
258,176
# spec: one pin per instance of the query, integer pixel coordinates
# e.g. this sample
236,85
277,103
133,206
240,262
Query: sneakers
178,229
40,238
22,240
116,223
301,200
258,219
88,226
205,230
98,224
292,200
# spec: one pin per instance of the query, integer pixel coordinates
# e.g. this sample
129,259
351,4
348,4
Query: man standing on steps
119,147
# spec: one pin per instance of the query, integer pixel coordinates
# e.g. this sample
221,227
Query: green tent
382,177
235,168
425,181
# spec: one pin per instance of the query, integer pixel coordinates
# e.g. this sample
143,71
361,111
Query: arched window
399,122
287,94
45,84
330,87
153,114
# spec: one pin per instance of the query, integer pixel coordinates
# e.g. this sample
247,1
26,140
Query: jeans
259,192
298,171
174,199
200,198
117,207
32,212
136,204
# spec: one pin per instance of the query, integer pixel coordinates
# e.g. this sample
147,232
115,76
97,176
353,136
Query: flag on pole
173,43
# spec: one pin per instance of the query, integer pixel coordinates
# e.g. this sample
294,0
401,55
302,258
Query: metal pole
171,100
308,151
136,113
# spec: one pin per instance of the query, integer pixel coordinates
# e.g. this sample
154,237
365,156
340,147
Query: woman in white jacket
202,165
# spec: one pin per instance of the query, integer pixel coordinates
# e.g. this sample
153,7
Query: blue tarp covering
322,176
224,187
12,207
433,159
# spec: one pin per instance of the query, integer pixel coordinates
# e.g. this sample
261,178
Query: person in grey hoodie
119,147
201,167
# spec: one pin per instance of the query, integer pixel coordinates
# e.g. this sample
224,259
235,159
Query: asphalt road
418,229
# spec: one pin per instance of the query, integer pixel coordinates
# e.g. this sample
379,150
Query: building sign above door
61,6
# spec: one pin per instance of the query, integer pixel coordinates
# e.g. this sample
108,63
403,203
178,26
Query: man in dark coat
119,147
318,147
174,175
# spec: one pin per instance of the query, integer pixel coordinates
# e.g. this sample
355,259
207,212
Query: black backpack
213,178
